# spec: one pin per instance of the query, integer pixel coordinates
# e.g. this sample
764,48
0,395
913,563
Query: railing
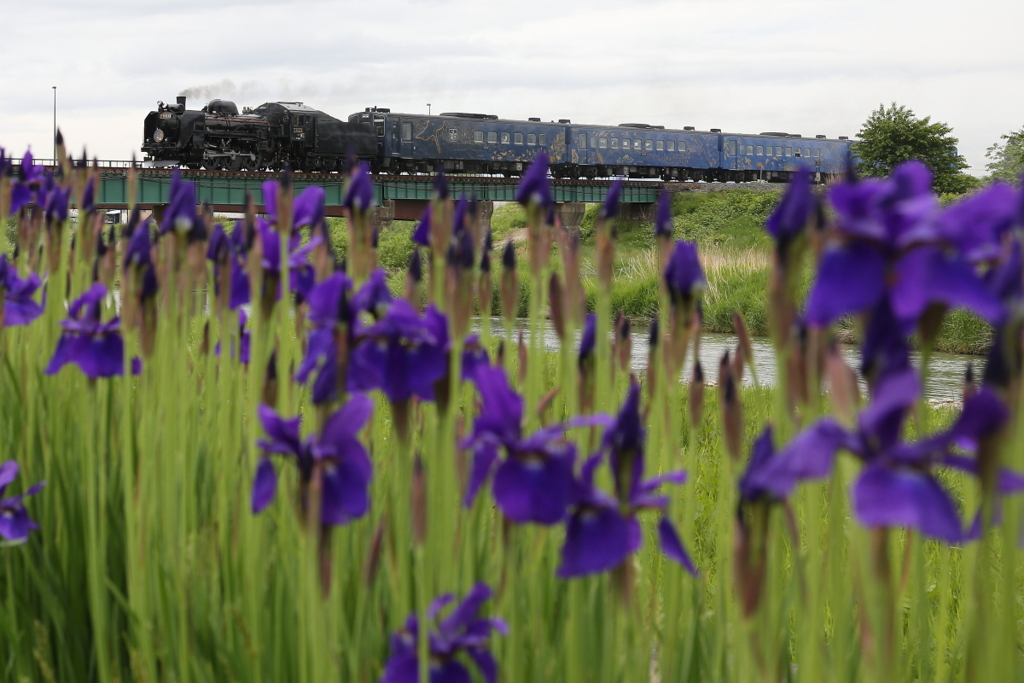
100,163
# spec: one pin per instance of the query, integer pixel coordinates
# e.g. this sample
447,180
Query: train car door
403,138
379,124
729,153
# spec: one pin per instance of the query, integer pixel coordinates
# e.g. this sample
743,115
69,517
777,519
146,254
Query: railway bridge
399,197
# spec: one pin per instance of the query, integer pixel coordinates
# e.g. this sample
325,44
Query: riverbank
735,251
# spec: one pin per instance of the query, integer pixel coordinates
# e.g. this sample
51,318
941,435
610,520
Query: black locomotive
217,137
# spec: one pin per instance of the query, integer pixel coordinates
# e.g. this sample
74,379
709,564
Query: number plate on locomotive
166,115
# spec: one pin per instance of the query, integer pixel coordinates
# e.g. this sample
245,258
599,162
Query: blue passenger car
774,156
468,143
483,143
638,150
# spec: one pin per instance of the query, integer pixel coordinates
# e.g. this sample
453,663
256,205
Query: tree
893,135
1008,157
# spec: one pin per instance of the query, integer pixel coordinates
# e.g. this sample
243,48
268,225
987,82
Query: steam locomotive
276,133
217,137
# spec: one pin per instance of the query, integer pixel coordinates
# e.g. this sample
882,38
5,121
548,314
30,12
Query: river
943,385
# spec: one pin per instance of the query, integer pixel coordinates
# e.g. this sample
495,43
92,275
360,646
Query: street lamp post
428,108
54,125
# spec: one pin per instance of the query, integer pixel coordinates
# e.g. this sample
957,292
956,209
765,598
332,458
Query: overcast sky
746,66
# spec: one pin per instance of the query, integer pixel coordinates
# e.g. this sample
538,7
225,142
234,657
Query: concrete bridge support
571,215
485,211
383,215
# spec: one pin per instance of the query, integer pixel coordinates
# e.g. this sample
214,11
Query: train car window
407,132
760,150
492,137
543,139
531,138
671,145
648,145
615,143
807,151
750,150
817,152
583,140
789,151
478,136
682,145
636,143
778,151
518,138
505,137
730,147
660,145
602,143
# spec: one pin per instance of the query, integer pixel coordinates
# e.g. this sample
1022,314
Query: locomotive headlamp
158,135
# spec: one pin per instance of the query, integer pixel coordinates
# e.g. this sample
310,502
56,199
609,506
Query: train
308,140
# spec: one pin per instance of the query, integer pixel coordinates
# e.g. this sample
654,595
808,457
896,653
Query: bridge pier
383,215
485,210
571,215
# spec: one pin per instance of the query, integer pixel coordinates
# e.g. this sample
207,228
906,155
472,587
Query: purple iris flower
401,354
460,216
897,486
15,524
588,338
30,177
663,220
140,245
374,296
329,309
790,217
94,346
462,630
602,531
57,204
309,207
762,455
684,276
359,193
180,214
421,233
17,307
89,195
535,187
610,207
976,224
474,356
301,275
534,481
335,456
897,245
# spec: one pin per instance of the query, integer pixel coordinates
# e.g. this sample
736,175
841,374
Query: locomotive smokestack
181,101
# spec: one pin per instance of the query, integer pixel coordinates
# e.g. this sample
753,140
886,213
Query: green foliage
734,217
395,246
338,230
893,135
506,219
1007,158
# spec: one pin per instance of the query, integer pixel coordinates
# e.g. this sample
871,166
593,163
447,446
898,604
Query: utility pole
428,108
55,160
